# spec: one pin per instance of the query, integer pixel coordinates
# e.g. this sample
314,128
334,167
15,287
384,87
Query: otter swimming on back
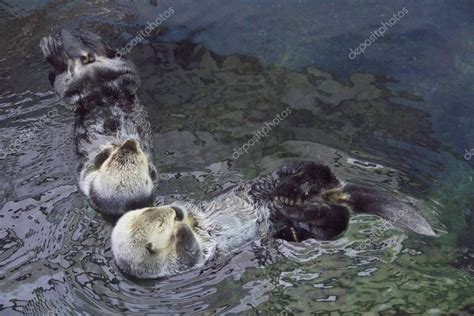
301,200
112,130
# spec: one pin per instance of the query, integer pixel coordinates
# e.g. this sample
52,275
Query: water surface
397,117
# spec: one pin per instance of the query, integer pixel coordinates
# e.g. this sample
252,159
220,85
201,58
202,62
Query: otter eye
84,59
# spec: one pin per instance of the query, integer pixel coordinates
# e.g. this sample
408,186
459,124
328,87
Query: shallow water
398,117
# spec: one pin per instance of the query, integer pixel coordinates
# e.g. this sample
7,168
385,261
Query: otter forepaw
293,168
285,201
309,175
288,194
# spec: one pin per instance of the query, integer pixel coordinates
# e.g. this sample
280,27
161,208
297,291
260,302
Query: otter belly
236,219
235,232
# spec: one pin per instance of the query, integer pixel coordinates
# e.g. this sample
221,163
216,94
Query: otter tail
403,214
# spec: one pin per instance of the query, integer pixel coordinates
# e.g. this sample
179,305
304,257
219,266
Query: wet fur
265,207
150,242
102,88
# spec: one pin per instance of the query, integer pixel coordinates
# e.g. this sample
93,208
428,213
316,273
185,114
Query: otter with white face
112,130
299,201
158,241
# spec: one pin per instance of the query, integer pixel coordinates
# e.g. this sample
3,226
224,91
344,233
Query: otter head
157,241
120,179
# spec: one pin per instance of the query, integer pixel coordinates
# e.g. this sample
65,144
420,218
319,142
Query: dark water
399,116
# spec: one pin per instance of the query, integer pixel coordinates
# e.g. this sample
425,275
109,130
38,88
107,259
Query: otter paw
288,194
310,176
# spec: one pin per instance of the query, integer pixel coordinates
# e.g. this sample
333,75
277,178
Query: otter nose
130,145
179,213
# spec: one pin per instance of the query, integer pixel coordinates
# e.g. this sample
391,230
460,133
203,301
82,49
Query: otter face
157,241
120,179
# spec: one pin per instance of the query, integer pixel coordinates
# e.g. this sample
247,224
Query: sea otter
112,130
301,200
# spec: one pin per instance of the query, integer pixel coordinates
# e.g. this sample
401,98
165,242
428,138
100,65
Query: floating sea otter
112,130
299,201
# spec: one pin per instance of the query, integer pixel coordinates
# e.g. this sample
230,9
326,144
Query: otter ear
402,214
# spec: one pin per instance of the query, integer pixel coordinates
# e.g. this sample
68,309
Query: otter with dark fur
301,200
112,130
